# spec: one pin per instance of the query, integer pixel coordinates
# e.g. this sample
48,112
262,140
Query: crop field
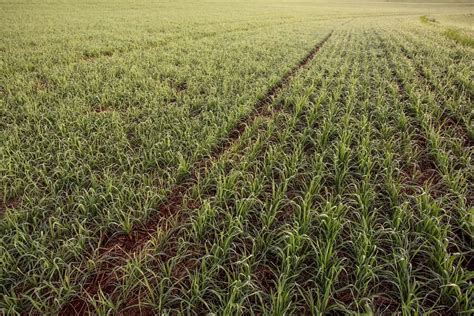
223,157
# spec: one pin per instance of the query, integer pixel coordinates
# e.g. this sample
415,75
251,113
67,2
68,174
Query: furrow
123,246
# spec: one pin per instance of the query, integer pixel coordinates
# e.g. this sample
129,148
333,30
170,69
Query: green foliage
351,192
457,36
426,19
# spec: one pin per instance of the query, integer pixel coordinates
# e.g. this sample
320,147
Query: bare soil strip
122,246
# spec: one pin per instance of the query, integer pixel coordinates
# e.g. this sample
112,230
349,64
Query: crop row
90,148
335,206
351,194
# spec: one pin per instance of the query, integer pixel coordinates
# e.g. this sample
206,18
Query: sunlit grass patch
426,19
459,37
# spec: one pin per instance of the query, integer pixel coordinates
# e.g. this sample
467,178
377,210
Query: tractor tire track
190,264
123,246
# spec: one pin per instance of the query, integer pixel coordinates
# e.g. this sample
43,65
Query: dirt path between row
123,246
